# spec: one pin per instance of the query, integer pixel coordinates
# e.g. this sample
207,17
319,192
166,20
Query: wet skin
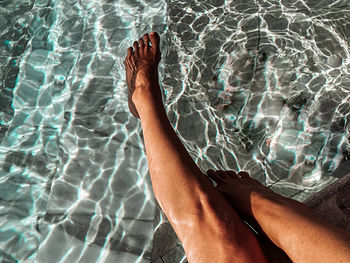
141,66
211,230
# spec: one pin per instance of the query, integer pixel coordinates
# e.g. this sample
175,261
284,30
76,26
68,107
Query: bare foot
238,188
141,66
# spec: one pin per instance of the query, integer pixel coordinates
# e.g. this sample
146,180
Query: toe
214,176
227,174
136,47
128,54
232,174
141,47
141,43
146,40
243,174
155,39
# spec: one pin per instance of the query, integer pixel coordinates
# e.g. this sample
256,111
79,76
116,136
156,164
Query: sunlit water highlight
261,86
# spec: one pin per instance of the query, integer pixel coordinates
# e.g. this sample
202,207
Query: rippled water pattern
74,184
251,85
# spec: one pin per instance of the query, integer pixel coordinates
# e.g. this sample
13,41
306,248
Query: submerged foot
238,188
141,66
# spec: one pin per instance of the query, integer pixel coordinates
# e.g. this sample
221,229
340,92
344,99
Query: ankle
145,95
146,99
261,202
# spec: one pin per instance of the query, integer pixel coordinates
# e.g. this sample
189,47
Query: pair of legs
206,218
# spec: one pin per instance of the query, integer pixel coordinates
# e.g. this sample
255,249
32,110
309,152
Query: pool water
261,86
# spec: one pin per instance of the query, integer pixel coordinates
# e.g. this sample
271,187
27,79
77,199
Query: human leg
209,229
289,224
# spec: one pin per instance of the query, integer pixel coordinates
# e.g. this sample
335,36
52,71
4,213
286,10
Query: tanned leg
289,224
207,226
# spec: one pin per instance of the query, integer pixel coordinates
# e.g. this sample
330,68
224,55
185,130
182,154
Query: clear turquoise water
249,85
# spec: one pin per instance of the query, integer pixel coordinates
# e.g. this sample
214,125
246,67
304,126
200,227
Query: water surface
261,86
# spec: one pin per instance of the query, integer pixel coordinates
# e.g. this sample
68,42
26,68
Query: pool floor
261,86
